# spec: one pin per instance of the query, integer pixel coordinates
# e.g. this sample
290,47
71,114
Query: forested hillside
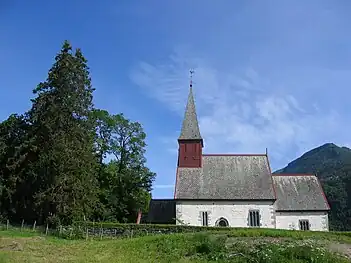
52,165
332,165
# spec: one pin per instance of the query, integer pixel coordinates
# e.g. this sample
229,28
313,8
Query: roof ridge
234,154
295,174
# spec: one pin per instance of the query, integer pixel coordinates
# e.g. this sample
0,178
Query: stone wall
235,212
115,230
290,220
123,232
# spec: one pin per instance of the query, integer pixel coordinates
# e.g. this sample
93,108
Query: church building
237,190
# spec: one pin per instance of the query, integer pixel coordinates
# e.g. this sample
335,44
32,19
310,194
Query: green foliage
15,188
125,182
119,230
52,157
206,247
63,136
332,165
266,252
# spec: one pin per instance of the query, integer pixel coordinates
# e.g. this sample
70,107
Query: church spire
190,128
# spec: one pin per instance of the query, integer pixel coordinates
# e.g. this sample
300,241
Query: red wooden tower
190,140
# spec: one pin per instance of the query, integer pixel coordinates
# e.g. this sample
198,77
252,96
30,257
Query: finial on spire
191,77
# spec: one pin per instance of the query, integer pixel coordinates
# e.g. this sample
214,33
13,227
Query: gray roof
190,128
299,192
227,177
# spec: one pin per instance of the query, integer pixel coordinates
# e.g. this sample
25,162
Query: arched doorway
222,222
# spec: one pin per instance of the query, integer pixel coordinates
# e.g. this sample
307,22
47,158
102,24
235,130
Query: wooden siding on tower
190,154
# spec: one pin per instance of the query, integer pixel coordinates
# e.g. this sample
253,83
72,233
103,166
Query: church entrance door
222,222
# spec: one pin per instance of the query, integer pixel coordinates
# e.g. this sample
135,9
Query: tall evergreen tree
16,188
63,135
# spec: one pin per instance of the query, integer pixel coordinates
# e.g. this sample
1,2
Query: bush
98,229
119,230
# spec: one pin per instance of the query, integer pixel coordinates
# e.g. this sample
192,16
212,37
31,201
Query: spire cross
191,77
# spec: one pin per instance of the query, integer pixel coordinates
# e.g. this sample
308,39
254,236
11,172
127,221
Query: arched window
222,222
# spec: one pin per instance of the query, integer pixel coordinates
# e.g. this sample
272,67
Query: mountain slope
332,165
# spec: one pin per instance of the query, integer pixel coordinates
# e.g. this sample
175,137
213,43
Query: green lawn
231,246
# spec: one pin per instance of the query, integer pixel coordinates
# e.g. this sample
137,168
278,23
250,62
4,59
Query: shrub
120,230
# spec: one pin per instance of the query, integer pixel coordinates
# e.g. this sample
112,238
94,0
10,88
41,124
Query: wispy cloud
267,75
240,112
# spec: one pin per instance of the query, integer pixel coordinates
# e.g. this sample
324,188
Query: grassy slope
282,246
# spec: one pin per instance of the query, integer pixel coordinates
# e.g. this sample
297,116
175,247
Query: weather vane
191,77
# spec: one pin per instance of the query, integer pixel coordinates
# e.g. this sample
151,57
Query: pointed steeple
190,128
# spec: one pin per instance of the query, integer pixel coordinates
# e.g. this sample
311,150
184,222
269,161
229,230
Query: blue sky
273,74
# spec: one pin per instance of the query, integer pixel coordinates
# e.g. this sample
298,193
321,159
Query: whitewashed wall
189,212
290,220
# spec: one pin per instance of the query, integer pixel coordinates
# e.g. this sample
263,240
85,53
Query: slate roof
161,211
227,177
299,193
190,127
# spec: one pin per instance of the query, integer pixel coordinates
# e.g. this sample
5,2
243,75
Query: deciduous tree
125,181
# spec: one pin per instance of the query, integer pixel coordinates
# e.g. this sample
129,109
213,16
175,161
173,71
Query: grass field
244,245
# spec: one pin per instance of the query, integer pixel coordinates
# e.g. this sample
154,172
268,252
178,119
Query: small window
304,225
204,216
254,218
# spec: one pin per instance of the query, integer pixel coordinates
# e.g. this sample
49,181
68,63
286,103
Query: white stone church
237,190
